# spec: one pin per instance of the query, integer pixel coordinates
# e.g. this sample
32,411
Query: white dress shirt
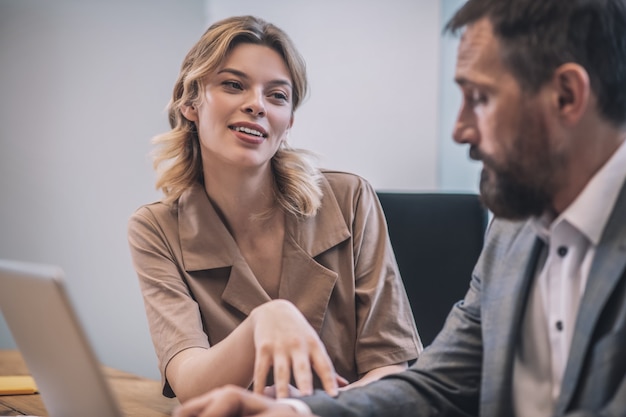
550,317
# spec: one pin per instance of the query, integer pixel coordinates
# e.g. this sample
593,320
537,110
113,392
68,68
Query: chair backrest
436,238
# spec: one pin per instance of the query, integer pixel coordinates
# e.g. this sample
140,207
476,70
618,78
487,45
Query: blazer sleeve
444,381
386,332
173,315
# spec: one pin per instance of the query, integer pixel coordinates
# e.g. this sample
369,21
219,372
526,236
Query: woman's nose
255,104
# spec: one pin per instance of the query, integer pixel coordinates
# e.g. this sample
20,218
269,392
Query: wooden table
137,396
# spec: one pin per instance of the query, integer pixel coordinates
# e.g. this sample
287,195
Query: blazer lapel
607,269
243,291
306,282
501,324
207,244
204,240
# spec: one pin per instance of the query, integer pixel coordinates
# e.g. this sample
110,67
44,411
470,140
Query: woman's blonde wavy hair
177,157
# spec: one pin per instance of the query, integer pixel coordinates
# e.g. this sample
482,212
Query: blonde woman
257,268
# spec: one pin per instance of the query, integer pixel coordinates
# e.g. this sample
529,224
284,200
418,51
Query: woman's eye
279,96
235,85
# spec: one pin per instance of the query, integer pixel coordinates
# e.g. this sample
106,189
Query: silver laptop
46,329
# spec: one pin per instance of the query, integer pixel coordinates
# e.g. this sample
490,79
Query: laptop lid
46,329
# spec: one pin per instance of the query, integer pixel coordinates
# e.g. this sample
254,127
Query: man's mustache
475,154
487,160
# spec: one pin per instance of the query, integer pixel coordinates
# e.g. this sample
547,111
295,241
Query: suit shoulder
502,235
507,228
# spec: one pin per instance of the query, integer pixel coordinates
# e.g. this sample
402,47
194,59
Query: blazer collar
323,231
205,241
606,270
207,244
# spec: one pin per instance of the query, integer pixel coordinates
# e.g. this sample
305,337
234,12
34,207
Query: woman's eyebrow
243,75
234,72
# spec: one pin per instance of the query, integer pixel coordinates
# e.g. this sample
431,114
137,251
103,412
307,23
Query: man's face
506,129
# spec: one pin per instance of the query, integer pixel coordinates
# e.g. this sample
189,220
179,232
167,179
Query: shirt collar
590,211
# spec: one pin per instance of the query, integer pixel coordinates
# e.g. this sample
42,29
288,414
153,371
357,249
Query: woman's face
245,110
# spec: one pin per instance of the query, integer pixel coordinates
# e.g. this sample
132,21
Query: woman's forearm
195,371
376,374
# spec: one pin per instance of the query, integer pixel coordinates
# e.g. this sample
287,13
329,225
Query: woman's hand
270,391
286,342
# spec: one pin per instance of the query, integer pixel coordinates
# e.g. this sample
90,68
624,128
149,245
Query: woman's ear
573,89
286,134
190,112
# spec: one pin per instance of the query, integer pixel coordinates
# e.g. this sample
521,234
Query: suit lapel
501,324
607,269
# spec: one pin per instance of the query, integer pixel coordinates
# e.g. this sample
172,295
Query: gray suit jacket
467,370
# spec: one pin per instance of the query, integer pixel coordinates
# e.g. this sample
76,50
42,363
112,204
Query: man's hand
233,401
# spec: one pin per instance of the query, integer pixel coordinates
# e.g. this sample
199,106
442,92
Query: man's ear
572,92
190,112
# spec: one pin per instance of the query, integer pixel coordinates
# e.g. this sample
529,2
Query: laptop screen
37,309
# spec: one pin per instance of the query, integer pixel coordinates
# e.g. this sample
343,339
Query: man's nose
465,129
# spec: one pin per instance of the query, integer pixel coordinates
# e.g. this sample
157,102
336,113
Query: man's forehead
479,51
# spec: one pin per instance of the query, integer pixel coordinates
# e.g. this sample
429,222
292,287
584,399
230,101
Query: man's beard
511,197
525,183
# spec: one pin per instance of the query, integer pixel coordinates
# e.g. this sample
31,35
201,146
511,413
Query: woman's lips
248,135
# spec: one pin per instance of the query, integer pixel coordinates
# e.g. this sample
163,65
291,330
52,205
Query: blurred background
83,89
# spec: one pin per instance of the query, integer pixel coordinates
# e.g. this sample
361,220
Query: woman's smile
249,133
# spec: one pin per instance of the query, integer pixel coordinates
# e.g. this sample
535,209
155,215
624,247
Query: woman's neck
241,198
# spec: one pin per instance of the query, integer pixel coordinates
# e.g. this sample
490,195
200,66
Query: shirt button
559,325
562,251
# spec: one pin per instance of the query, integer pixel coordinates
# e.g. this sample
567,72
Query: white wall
83,88
374,75
456,173
84,85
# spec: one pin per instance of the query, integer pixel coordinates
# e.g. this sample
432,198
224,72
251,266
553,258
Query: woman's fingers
286,342
302,372
282,375
297,360
325,371
262,365
341,381
284,364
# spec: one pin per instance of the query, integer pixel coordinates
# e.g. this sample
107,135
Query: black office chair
436,238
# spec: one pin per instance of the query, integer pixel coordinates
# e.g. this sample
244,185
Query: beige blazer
338,269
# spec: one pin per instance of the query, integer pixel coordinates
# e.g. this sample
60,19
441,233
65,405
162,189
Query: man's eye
476,97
